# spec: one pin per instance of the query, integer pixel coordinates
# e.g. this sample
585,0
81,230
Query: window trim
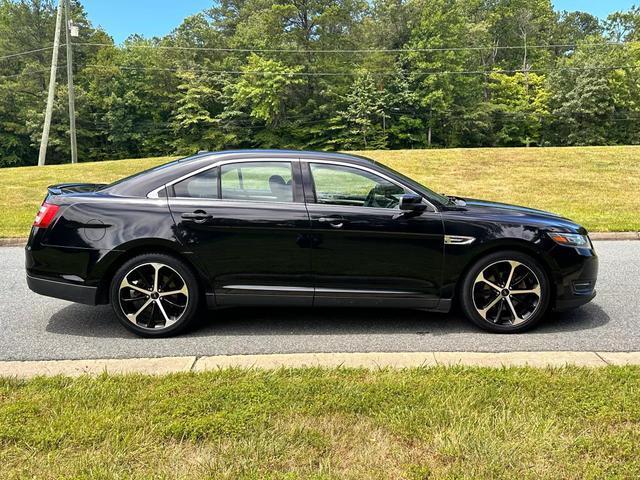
218,165
307,162
301,163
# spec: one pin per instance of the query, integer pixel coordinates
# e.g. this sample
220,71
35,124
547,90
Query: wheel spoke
156,277
516,317
535,291
182,291
126,284
513,266
167,320
134,316
499,313
482,278
485,310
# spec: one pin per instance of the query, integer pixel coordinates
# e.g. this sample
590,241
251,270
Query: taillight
45,215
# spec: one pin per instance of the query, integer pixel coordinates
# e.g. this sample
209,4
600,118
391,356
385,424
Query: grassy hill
598,187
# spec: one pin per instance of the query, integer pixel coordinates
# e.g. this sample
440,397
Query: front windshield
442,199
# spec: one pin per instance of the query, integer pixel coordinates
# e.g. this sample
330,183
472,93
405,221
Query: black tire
528,311
180,308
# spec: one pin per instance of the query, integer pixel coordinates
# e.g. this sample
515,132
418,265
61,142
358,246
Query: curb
22,241
615,236
13,242
373,361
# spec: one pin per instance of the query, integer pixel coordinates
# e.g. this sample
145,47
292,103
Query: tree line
327,75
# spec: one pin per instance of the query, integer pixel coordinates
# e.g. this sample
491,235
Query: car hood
520,214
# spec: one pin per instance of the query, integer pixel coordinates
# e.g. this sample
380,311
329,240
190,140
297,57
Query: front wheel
155,295
505,292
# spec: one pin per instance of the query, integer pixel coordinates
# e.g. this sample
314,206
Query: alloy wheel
507,292
153,296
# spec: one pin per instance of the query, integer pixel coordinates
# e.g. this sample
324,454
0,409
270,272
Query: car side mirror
410,202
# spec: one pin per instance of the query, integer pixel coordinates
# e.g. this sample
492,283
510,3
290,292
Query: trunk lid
62,188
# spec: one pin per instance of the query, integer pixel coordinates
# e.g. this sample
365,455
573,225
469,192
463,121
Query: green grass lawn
424,423
596,186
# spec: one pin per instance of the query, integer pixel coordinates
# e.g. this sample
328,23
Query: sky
121,18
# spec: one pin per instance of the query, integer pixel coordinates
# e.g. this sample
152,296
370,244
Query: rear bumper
63,290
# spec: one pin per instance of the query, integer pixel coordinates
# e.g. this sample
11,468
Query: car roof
288,153
143,182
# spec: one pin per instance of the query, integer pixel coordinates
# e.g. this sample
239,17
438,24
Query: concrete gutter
165,365
615,235
13,242
22,241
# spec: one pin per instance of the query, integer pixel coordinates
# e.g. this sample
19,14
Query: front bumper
571,303
576,275
64,290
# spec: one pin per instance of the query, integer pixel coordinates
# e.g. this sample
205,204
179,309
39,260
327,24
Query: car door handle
335,222
199,216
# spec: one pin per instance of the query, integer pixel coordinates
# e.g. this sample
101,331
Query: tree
520,107
360,123
194,120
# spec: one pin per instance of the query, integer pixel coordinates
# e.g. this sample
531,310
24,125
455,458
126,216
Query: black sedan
282,228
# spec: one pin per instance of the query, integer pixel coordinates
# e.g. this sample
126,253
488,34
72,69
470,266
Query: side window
262,181
201,185
341,185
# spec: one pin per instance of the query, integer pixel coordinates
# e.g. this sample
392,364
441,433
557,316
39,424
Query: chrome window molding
154,193
374,172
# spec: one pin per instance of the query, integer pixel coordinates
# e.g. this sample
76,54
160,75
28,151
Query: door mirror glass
411,202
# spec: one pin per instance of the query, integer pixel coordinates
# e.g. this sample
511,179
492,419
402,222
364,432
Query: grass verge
595,186
326,424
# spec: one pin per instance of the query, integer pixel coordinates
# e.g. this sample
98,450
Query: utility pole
430,122
72,95
52,87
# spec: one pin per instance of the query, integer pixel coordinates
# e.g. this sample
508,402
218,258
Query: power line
306,51
366,50
340,74
374,73
28,52
31,72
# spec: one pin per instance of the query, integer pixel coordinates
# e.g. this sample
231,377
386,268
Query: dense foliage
326,74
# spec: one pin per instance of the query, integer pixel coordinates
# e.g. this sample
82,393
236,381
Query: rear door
246,222
365,250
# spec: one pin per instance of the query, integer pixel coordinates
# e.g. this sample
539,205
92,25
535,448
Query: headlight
570,239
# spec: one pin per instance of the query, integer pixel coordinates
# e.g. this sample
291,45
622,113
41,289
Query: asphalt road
33,327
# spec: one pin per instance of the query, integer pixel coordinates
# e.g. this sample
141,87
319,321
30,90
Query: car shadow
86,321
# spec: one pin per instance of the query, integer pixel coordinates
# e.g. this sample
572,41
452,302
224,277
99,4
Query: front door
247,225
365,250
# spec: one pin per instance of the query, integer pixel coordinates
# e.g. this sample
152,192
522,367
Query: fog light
583,287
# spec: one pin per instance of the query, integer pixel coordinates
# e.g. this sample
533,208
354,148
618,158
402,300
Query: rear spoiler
62,188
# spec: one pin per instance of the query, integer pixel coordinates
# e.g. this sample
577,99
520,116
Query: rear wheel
155,295
505,292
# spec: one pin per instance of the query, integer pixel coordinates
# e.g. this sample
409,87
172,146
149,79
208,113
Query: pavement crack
602,358
193,364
